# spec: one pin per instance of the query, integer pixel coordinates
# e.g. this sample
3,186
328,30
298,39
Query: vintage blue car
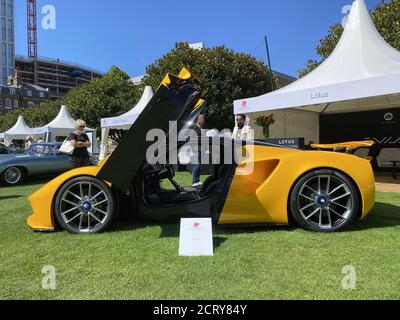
3,149
9,150
39,160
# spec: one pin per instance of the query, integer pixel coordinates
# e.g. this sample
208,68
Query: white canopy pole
7,140
94,147
103,146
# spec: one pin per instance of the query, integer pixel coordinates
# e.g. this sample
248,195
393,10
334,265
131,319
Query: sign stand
196,238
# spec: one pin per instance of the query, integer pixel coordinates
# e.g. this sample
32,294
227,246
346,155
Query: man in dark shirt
80,141
197,152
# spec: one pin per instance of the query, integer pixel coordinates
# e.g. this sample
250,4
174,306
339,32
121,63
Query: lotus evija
320,191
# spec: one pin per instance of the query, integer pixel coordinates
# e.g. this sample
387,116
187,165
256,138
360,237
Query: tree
34,116
386,17
226,76
111,95
108,96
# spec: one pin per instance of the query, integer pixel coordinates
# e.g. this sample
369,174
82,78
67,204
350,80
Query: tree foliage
109,96
386,17
226,76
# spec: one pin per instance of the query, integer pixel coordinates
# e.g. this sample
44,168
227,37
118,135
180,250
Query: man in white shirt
241,131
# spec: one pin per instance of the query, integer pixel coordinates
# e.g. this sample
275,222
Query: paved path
387,184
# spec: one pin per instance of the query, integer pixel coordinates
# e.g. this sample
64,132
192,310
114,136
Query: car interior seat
212,182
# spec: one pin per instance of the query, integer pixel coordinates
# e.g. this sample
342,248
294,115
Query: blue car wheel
12,176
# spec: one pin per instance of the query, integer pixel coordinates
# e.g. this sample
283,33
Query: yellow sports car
320,191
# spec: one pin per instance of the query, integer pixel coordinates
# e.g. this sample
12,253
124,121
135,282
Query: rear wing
348,147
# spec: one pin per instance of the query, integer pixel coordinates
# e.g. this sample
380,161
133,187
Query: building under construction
56,75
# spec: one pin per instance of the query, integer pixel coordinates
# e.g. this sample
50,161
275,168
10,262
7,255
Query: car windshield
42,149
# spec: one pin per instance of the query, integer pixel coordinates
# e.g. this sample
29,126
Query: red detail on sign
244,104
196,225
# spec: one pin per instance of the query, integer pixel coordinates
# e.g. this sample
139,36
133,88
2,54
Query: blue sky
133,33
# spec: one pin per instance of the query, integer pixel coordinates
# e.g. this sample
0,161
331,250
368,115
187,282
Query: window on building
10,8
3,29
4,76
29,93
41,94
8,104
4,54
31,103
16,103
3,7
10,31
10,55
13,92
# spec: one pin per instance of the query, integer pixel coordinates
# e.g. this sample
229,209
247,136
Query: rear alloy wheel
13,176
324,201
85,205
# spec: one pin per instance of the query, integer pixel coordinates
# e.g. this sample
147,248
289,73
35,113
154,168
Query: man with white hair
80,141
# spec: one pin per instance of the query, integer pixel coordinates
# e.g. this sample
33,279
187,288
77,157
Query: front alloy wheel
13,176
324,201
85,205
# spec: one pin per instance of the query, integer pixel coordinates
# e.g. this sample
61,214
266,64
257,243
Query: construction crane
32,29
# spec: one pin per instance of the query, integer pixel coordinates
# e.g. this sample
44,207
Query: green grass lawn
140,261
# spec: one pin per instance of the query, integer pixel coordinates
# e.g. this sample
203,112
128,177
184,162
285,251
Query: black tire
13,176
324,201
96,208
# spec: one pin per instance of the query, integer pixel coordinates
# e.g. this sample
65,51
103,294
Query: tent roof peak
361,52
125,120
146,96
363,65
62,119
20,124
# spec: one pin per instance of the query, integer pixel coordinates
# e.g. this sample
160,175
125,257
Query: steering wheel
171,169
160,172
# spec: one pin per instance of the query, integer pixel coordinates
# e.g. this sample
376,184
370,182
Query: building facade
56,75
7,57
283,79
17,94
59,77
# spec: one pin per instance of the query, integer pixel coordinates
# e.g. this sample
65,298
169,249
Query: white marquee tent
124,121
362,73
19,131
62,125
